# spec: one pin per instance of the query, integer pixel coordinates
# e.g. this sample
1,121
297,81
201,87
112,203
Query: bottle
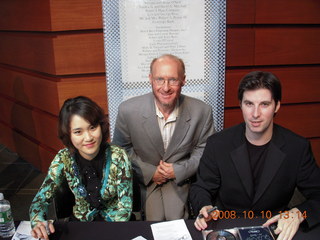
7,227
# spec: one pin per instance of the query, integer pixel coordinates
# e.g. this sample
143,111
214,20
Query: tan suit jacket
137,130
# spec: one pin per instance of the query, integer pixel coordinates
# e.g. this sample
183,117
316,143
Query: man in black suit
258,164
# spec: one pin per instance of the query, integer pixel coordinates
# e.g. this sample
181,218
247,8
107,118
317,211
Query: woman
98,174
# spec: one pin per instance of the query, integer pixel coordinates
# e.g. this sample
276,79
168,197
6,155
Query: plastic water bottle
7,227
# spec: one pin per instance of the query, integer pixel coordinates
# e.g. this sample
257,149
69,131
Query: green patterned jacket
116,189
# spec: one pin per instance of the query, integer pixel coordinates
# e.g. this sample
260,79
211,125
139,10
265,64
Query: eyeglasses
171,81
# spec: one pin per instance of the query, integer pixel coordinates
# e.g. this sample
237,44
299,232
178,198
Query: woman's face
85,137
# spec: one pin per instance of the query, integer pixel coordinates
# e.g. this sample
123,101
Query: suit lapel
272,164
181,129
240,159
151,126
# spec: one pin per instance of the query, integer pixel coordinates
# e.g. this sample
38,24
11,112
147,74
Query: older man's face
166,95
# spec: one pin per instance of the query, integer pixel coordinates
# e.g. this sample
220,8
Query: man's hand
201,223
42,230
158,178
288,223
166,169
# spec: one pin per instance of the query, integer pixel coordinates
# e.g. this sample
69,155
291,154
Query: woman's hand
42,230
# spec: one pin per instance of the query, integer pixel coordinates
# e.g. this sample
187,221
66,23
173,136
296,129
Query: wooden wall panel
32,15
240,47
46,127
86,56
30,89
232,79
39,156
48,93
50,15
287,12
95,89
76,14
287,45
301,119
46,158
54,54
39,126
240,12
27,50
299,84
232,117
36,154
6,136
27,149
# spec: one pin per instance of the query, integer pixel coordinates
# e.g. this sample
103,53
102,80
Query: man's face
258,108
166,95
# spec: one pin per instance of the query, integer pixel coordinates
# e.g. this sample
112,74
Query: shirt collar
173,116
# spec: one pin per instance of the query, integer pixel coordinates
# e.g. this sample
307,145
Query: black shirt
257,157
91,174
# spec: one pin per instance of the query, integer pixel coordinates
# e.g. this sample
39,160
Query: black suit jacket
224,176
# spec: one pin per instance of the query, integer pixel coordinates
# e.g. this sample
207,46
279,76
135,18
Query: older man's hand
166,169
158,178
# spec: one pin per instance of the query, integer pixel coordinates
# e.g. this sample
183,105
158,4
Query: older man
164,133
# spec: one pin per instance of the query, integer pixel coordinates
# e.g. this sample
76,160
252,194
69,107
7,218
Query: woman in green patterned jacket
98,174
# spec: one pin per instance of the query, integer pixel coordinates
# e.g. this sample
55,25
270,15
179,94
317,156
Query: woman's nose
87,136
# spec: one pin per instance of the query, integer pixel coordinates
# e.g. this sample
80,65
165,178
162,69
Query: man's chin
167,104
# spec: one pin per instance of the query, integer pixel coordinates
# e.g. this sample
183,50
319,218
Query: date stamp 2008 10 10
231,214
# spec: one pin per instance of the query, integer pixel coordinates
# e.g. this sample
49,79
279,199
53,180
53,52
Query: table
130,230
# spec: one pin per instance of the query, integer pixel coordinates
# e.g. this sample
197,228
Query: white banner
151,28
137,31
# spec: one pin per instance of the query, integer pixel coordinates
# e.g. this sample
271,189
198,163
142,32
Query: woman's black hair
85,108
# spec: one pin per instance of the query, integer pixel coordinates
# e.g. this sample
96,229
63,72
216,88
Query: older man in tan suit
165,134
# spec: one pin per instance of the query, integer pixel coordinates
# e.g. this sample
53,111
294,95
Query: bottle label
5,216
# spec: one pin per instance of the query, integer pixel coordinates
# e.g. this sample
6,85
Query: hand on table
288,223
201,222
40,230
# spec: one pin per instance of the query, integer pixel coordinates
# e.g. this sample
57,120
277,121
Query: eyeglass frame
171,81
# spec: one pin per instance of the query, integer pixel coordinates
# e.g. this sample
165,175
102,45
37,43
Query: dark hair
85,108
179,60
258,79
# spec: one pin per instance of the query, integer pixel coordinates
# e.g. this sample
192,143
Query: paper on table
23,231
171,230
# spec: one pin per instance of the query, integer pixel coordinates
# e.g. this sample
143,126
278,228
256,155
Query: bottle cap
1,196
